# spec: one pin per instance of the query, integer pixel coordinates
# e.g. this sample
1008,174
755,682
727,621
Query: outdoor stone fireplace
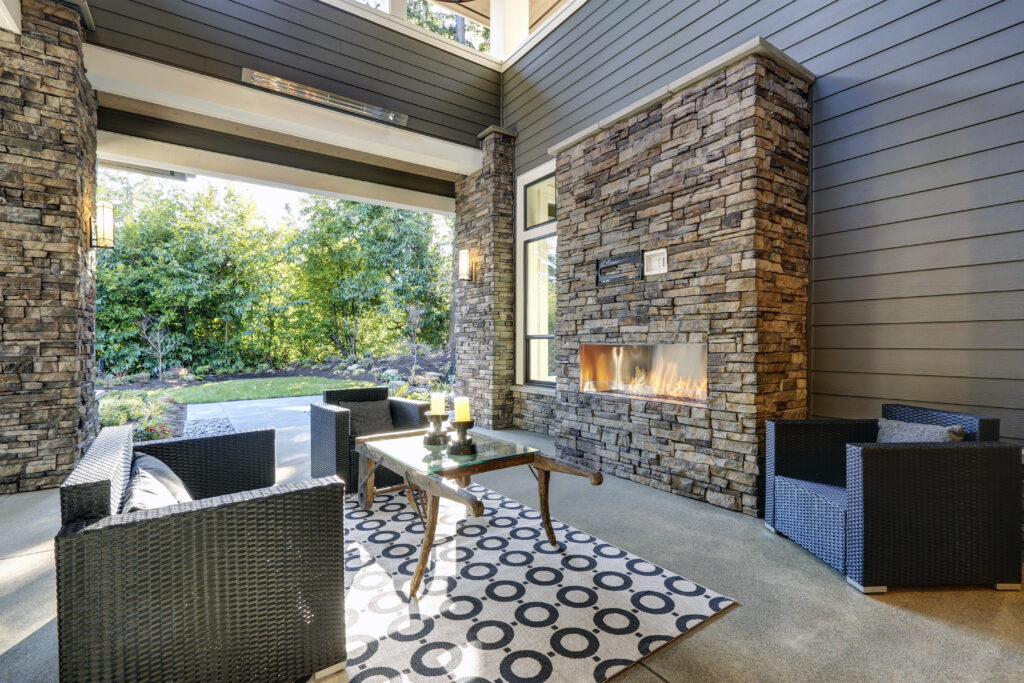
717,175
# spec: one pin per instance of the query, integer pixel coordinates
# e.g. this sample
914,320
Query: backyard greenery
200,280
242,389
147,414
147,408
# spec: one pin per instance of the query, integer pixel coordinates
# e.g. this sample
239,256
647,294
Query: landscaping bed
157,405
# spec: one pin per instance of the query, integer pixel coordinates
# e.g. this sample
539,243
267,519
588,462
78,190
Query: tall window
539,259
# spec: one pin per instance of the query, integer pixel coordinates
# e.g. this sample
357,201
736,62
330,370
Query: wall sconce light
103,226
465,266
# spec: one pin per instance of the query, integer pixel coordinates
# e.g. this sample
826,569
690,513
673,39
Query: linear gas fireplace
663,372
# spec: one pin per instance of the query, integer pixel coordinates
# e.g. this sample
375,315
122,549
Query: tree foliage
206,271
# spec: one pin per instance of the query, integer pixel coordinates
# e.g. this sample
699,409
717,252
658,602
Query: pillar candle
437,404
462,409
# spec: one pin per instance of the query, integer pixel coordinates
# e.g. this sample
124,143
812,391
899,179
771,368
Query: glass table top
410,451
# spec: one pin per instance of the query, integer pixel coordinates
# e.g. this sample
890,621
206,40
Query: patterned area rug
499,603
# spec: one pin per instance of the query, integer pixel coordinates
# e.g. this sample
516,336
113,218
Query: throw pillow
895,431
153,485
369,417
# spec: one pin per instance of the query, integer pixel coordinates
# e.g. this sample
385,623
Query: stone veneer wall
47,269
534,411
718,175
484,309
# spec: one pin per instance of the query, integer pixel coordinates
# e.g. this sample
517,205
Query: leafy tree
199,265
360,263
218,289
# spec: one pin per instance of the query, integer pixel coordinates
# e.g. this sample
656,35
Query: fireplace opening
664,372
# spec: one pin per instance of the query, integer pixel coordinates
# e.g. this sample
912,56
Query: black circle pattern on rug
498,601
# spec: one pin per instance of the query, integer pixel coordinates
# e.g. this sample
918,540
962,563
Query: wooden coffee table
430,474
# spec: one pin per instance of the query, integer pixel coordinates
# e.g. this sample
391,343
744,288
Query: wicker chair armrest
329,433
408,414
96,485
217,465
915,508
814,450
239,580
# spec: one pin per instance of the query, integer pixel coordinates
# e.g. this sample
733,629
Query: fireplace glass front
664,372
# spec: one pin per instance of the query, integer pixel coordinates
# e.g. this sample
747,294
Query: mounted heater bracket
617,269
322,97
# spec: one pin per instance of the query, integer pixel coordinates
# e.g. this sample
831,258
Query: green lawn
241,389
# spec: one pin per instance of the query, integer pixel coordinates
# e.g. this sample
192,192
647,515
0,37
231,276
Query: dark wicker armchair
332,444
898,514
244,583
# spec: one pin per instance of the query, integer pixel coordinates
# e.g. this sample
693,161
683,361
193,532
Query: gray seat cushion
153,485
369,417
895,431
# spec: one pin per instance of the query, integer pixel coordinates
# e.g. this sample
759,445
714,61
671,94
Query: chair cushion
153,485
895,431
369,417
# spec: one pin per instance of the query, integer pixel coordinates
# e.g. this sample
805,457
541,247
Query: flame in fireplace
672,372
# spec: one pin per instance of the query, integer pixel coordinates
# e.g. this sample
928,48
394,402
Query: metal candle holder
462,443
436,434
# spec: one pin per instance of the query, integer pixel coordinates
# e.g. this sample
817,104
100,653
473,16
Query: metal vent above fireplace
662,372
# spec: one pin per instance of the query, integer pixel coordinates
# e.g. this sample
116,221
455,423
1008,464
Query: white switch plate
655,262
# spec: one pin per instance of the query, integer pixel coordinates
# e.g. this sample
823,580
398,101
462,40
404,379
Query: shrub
152,432
127,407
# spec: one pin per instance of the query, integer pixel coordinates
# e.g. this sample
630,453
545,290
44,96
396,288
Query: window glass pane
541,360
540,202
540,286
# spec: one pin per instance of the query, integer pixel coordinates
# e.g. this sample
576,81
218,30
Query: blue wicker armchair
246,582
898,514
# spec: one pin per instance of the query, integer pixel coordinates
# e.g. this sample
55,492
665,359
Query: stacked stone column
484,307
47,269
717,175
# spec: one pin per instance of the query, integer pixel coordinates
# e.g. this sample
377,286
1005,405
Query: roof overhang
126,150
140,79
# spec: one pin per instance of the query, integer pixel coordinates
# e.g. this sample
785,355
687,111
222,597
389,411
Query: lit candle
437,404
462,409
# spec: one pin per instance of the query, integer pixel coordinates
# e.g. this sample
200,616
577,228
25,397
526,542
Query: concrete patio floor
797,620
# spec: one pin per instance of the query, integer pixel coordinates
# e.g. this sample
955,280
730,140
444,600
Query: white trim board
754,46
10,15
522,234
126,149
141,79
546,27
388,20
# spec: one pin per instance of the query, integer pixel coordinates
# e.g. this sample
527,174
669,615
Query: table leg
410,493
428,540
543,484
463,482
367,470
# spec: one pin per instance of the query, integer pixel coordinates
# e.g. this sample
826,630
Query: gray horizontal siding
313,43
918,173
